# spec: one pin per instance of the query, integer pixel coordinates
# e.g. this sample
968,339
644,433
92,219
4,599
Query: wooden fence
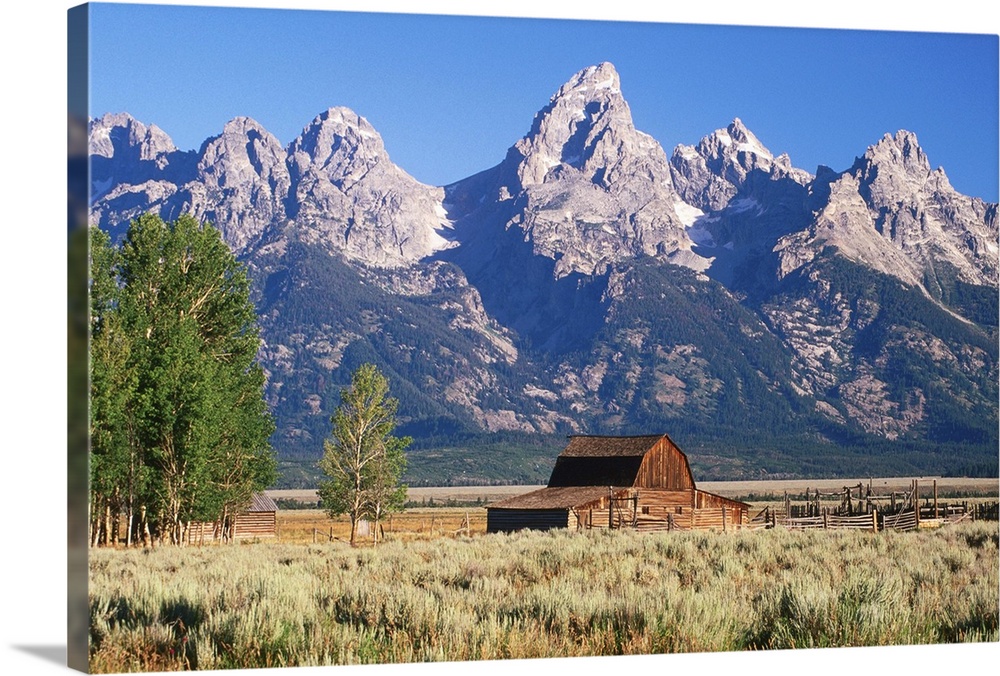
828,521
721,519
860,507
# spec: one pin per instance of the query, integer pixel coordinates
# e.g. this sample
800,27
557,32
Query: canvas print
444,338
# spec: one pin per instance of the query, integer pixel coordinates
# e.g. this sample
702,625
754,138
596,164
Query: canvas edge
77,430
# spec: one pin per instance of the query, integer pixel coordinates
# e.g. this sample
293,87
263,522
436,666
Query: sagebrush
534,594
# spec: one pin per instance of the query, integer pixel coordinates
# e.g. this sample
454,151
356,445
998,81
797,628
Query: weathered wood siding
656,498
255,525
507,520
664,466
249,525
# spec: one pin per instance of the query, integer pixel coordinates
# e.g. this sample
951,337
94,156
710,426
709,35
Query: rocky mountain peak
586,126
892,213
895,168
243,126
593,82
242,181
243,140
347,193
589,189
711,173
902,150
736,151
132,166
340,141
120,133
742,140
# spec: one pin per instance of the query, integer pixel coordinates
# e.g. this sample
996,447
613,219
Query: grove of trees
362,459
179,427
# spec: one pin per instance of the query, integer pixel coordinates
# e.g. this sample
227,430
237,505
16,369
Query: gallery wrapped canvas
407,338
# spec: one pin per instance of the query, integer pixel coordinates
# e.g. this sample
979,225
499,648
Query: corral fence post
874,520
611,508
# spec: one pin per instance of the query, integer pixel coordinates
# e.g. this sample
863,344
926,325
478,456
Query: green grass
539,595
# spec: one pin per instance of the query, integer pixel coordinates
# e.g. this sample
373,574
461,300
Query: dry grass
313,525
536,594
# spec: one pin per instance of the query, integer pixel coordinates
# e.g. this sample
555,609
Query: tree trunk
95,524
107,524
128,533
147,538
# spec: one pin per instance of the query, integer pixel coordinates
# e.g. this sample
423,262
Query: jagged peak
121,119
340,131
570,130
342,115
592,81
242,125
343,121
150,139
738,131
739,138
902,149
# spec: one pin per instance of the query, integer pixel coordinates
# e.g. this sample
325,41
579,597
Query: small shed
258,520
639,482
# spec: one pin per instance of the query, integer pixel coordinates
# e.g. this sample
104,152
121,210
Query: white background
33,282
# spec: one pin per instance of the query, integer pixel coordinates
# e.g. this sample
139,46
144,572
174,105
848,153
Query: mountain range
772,321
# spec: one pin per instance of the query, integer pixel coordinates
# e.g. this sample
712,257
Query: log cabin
257,520
638,482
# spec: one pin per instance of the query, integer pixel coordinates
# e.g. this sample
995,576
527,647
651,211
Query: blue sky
449,95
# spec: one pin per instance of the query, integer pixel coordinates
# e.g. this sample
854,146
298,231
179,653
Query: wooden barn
640,482
258,520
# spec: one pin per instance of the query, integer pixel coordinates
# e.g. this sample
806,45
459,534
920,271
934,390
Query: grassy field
305,526
536,594
439,588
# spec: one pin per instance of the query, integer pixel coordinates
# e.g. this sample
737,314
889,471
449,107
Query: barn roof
586,446
602,461
563,497
262,503
595,471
